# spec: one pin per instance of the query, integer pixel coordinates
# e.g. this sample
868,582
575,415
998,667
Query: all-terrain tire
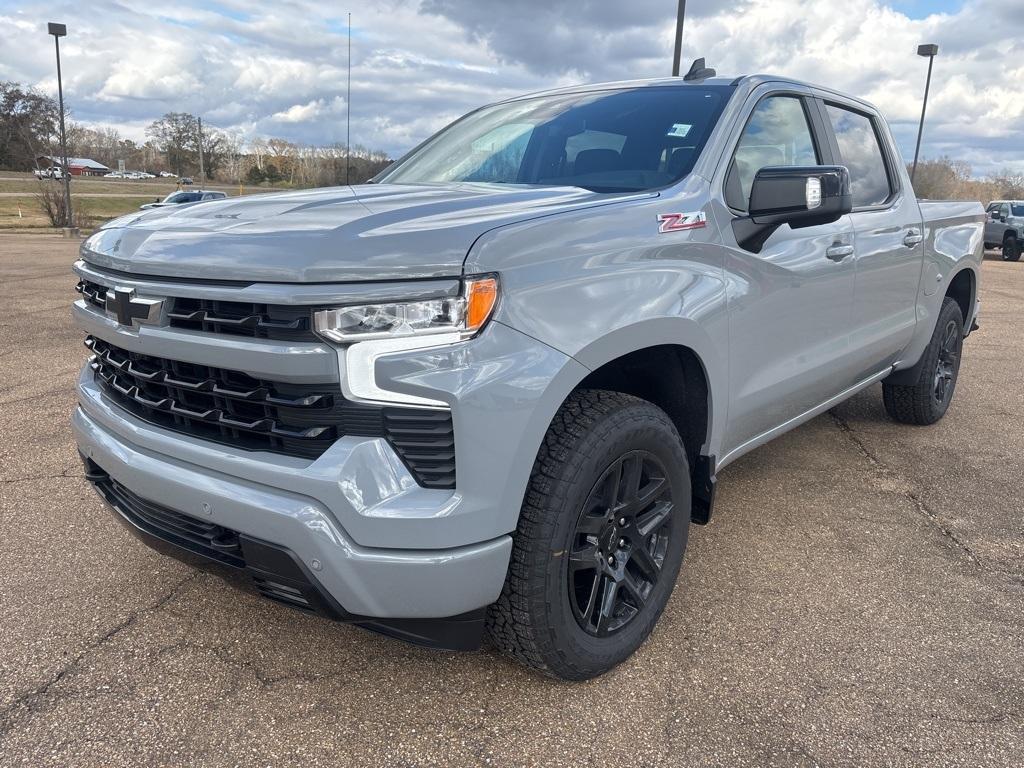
927,400
1011,249
595,441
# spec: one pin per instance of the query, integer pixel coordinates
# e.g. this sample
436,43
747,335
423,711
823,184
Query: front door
790,304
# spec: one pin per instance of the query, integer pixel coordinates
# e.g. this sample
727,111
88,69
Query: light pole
930,50
58,31
348,106
679,38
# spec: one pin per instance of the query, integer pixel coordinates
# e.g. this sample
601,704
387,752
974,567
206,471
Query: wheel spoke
649,522
591,605
584,558
947,341
590,524
645,563
632,471
610,492
649,493
630,586
606,610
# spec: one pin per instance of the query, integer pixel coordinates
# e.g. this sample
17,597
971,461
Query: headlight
465,315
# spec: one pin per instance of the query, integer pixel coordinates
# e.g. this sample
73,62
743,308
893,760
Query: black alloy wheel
600,537
619,543
947,364
926,398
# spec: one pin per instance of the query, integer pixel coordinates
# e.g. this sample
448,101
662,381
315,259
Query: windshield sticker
679,130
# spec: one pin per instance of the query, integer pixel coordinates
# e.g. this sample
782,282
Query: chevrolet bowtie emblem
123,304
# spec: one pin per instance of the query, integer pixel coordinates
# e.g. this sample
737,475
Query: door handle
912,238
838,252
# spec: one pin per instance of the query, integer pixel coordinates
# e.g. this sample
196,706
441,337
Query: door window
861,153
777,133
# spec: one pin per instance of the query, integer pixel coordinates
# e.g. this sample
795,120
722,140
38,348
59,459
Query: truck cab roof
745,82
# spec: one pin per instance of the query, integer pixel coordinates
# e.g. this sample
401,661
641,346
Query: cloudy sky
278,67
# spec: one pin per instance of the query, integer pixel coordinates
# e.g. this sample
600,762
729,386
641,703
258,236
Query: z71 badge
676,222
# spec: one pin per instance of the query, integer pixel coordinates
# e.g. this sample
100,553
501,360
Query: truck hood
340,234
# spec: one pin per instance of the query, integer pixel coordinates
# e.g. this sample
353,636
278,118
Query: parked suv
1004,227
492,389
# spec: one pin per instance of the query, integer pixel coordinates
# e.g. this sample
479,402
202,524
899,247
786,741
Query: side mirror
801,196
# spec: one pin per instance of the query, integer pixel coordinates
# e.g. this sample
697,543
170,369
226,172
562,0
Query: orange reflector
481,296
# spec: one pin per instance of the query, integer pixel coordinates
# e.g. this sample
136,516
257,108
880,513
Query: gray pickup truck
487,393
1004,227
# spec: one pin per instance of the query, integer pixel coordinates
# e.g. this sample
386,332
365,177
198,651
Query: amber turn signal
481,296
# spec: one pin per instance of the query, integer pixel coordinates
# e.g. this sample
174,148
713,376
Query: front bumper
269,570
364,581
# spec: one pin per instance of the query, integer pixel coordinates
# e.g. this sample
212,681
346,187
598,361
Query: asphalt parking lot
858,600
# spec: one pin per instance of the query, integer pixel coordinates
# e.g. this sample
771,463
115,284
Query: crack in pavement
67,474
926,512
26,702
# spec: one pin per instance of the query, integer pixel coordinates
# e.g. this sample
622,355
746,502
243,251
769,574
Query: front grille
235,318
93,293
260,321
303,420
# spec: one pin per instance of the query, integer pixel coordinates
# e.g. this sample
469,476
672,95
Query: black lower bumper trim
266,569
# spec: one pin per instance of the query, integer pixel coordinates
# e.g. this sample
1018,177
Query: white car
167,175
113,175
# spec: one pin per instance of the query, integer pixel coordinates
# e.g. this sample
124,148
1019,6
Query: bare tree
28,125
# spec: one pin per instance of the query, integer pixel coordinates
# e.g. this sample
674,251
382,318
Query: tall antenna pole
679,38
348,106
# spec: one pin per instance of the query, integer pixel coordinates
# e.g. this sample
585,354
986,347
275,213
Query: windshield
606,141
1017,209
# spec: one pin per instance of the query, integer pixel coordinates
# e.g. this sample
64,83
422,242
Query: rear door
888,237
790,304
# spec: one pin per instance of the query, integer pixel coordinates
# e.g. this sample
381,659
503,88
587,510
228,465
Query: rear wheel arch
963,290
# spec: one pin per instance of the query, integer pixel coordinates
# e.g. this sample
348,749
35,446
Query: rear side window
861,153
776,134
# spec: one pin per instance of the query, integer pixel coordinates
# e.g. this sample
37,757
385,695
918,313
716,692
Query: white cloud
278,67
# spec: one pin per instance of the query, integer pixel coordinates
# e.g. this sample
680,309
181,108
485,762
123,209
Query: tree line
946,179
29,123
